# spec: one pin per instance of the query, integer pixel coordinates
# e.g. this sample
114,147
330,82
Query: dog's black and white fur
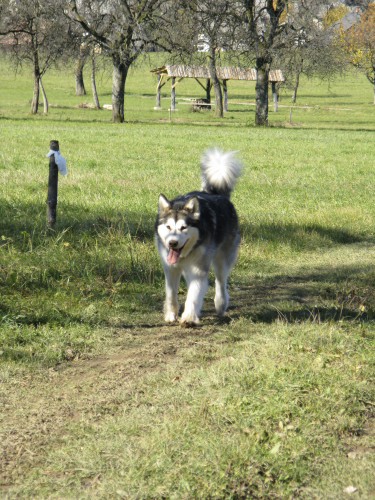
196,230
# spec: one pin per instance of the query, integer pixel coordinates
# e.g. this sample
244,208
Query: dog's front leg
172,281
197,288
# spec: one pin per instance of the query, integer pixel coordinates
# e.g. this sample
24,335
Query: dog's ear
164,204
192,207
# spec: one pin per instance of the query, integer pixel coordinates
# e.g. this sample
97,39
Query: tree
263,26
334,15
93,79
271,28
83,54
359,44
35,33
123,29
210,22
312,51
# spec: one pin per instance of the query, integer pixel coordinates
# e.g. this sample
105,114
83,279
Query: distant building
203,44
348,21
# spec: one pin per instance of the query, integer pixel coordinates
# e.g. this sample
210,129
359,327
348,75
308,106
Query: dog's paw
221,303
170,317
188,324
189,320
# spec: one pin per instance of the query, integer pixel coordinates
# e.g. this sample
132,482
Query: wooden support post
275,99
53,180
225,88
173,94
158,93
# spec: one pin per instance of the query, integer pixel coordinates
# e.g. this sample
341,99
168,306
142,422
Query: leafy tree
359,44
35,33
311,49
123,29
334,15
263,25
211,22
270,30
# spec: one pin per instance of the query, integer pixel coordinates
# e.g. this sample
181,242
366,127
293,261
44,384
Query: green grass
98,397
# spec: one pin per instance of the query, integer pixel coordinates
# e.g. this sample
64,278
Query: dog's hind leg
197,283
221,292
223,263
172,281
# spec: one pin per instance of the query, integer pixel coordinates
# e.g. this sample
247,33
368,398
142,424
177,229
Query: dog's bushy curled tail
220,171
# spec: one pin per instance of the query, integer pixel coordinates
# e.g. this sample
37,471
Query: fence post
53,180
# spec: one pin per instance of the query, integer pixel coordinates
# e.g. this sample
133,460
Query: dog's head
177,226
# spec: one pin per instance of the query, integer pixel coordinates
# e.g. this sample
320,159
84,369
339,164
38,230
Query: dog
197,230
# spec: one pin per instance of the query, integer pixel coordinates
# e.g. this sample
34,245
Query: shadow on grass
245,110
343,294
18,218
327,294
301,236
337,293
212,122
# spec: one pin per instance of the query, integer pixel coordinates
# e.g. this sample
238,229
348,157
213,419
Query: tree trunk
93,82
35,99
295,89
225,89
45,100
120,72
370,75
261,92
78,72
208,90
219,109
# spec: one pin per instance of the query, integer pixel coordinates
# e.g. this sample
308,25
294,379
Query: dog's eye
183,228
169,228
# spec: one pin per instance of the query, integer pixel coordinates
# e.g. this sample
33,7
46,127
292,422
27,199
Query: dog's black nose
173,243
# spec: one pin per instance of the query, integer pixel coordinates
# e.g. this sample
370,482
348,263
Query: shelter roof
223,73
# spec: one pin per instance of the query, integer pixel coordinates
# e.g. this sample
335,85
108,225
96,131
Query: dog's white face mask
175,231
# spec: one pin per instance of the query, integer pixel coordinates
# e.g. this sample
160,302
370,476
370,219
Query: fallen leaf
350,490
275,449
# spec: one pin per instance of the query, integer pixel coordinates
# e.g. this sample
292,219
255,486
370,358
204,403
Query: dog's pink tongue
173,256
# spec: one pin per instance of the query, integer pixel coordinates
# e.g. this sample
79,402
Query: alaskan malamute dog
195,230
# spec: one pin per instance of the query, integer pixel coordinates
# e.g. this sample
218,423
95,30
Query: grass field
98,397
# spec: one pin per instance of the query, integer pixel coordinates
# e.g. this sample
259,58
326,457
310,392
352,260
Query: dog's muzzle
173,244
174,252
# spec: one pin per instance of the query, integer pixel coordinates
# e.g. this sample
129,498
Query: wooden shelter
176,73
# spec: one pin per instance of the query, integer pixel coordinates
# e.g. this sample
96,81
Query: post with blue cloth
57,163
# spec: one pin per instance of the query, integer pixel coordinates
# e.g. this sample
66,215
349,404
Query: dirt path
39,407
